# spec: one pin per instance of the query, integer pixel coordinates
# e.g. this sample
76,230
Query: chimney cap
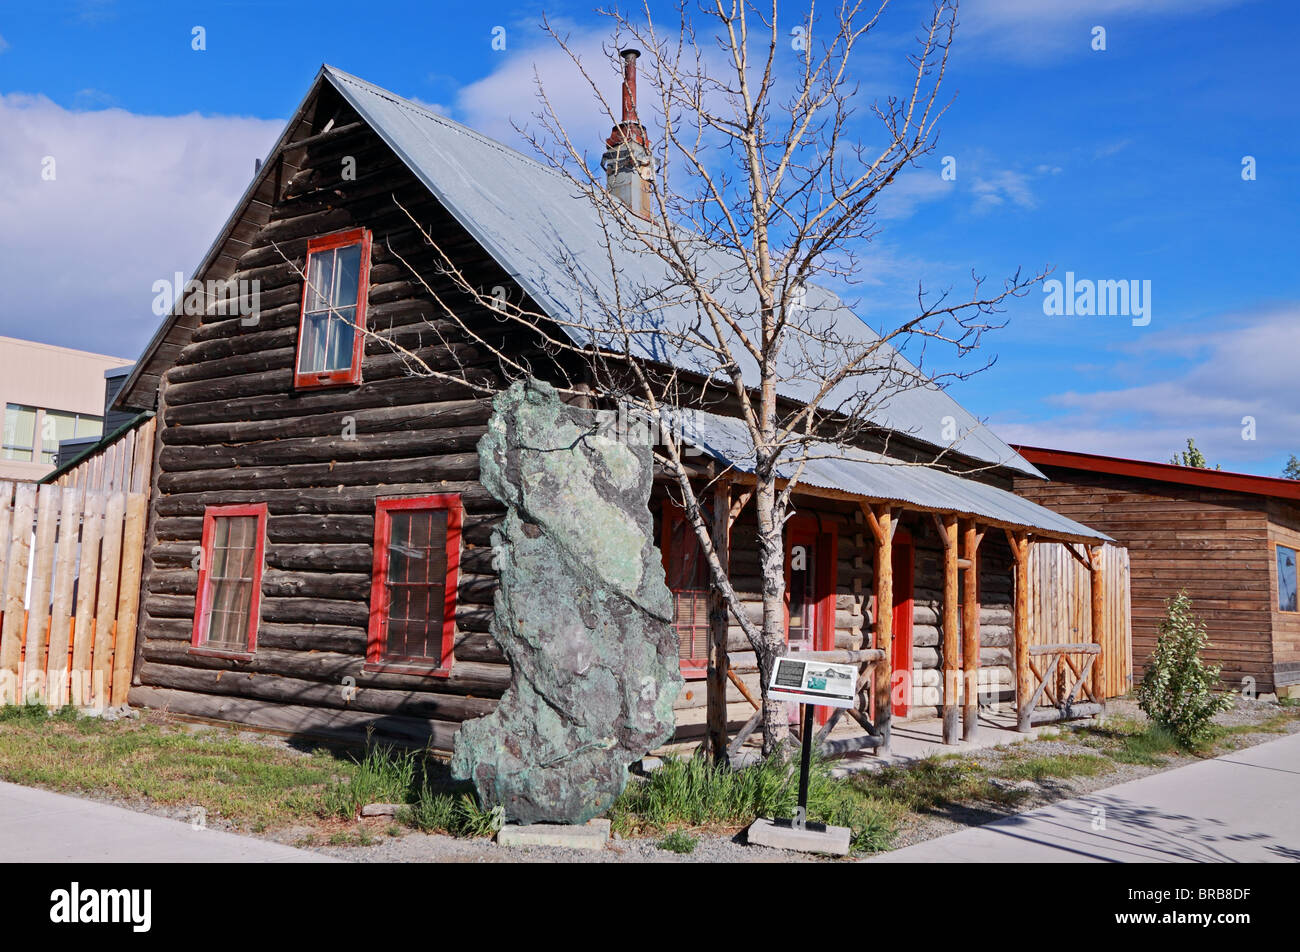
630,51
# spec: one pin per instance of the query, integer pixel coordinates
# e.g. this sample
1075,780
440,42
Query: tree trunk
776,728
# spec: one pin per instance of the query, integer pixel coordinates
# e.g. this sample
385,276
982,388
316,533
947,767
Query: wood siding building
1228,539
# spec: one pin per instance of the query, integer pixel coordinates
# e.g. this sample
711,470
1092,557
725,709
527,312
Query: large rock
582,613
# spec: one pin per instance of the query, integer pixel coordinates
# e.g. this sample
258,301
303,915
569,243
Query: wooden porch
1069,644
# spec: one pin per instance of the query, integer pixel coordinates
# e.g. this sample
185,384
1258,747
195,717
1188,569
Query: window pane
1286,579
56,426
347,276
89,425
19,431
314,330
341,334
320,280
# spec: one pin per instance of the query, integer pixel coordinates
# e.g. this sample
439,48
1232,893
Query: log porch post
1019,542
719,621
1098,579
881,520
947,525
970,638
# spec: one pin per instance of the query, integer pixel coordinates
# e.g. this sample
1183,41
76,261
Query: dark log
297,720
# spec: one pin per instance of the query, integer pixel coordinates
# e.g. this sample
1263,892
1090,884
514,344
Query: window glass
1286,579
329,317
19,431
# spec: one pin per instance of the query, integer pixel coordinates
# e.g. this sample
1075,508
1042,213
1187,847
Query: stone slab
833,841
592,835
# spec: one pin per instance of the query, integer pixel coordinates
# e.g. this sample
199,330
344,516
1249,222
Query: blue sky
1117,164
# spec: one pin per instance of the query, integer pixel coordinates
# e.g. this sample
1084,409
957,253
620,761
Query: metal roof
552,241
531,220
878,477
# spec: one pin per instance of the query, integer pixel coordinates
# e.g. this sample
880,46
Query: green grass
1053,767
678,842
935,783
697,794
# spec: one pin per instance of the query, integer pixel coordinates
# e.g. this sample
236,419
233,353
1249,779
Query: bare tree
752,195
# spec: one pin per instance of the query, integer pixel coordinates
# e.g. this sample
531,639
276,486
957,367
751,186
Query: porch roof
856,473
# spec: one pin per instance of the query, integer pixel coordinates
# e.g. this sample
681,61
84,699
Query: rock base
592,835
831,840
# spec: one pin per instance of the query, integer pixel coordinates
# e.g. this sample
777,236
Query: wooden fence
1060,608
71,554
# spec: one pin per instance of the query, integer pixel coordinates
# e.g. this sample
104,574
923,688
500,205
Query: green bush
1177,690
678,842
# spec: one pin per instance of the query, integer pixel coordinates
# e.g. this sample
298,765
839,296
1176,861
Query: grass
935,783
257,787
695,793
1053,767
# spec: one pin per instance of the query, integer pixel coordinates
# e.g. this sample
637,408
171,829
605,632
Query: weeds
678,842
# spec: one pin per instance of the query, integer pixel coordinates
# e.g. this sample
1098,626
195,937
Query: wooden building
1229,539
297,462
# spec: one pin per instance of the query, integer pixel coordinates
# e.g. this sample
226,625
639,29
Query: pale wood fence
71,555
1060,615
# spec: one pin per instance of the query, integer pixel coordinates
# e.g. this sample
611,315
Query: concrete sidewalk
37,826
1243,807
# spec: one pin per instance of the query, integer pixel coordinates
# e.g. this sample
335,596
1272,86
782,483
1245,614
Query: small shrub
1177,690
678,842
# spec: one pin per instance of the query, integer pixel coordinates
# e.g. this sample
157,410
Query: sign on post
813,682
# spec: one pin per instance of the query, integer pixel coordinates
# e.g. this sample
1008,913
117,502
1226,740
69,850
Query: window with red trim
330,338
413,592
688,579
230,580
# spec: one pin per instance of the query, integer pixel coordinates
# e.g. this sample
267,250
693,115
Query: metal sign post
810,683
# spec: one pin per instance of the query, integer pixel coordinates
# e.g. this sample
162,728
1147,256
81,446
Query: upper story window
33,433
413,590
688,579
230,580
330,341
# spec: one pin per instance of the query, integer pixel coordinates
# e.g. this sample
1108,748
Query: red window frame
692,669
203,600
379,597
352,374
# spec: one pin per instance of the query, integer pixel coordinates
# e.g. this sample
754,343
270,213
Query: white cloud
134,199
1001,187
1246,368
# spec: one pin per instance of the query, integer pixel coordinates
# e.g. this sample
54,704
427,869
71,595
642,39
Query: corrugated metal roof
877,477
551,240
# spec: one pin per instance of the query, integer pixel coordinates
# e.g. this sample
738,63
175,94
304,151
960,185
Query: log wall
233,429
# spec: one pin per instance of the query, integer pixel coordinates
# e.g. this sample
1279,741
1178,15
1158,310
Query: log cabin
294,458
1229,539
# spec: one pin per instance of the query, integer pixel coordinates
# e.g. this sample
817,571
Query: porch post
881,520
719,622
970,639
1098,579
951,643
1019,542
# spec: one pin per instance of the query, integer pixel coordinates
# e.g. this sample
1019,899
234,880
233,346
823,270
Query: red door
900,689
809,593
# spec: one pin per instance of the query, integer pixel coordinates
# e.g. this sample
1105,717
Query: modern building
1229,539
50,394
